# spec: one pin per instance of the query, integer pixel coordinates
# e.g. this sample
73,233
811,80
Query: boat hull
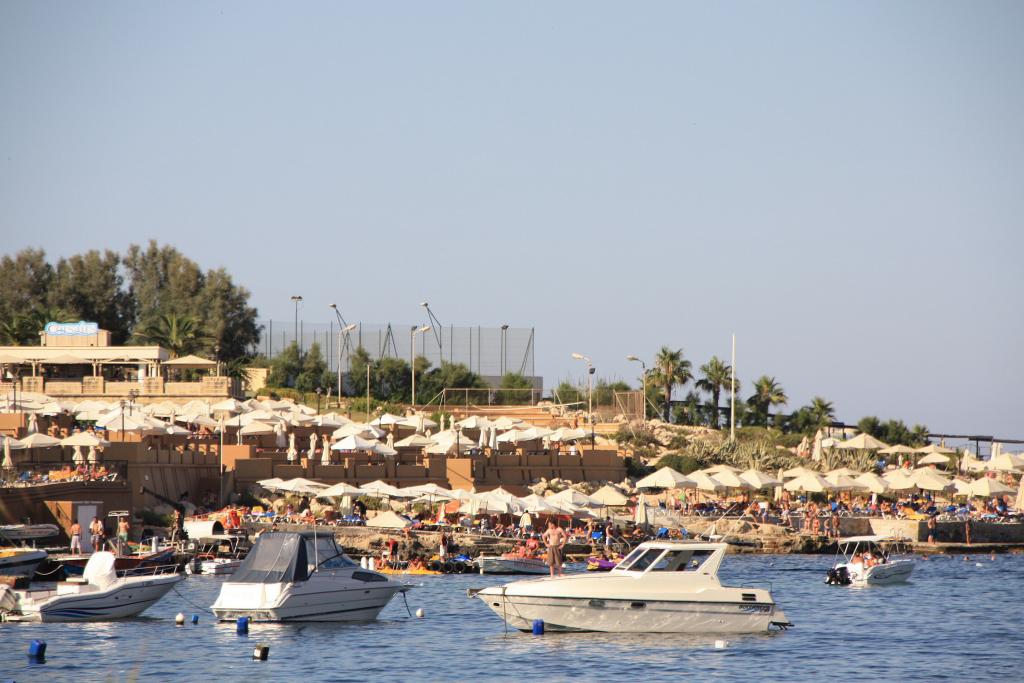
304,603
511,565
126,600
20,562
887,574
632,616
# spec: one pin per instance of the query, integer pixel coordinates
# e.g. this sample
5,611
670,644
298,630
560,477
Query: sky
838,184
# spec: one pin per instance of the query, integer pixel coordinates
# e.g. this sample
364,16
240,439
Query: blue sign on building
79,329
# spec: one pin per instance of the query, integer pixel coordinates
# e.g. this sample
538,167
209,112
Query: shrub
680,462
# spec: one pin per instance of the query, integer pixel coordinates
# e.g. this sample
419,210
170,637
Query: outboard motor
838,576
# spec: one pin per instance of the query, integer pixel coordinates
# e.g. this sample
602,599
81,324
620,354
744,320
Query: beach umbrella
76,455
641,517
8,461
38,440
848,471
384,449
535,504
609,496
816,448
414,441
932,448
666,478
1006,462
354,443
364,431
493,436
417,422
714,470
842,482
270,484
899,481
795,472
862,442
574,498
83,439
380,489
474,422
987,487
256,429
293,452
301,485
732,480
92,457
961,487
706,482
431,489
872,482
934,459
387,419
928,479
564,434
759,480
339,490
811,482
505,423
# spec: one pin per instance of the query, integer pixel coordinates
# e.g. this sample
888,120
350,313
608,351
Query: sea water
955,620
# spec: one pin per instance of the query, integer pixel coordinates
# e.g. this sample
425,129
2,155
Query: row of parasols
724,478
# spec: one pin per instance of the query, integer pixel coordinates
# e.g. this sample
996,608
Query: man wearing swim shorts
555,539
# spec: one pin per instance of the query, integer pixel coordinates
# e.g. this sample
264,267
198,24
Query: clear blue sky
840,184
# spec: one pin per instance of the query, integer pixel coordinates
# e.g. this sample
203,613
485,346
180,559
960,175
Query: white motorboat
510,564
303,577
869,561
660,587
219,566
27,532
98,595
20,561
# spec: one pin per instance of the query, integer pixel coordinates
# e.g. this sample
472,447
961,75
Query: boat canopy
849,540
277,557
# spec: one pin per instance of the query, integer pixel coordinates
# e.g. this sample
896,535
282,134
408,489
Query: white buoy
362,561
179,619
977,564
420,613
721,644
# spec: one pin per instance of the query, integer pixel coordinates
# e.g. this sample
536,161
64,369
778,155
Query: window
645,560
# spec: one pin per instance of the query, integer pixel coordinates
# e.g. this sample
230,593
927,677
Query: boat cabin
696,558
282,557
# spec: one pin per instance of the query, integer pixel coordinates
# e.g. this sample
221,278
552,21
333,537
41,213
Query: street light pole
412,356
297,299
590,394
643,367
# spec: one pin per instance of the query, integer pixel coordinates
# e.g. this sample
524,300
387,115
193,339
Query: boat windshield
659,559
325,554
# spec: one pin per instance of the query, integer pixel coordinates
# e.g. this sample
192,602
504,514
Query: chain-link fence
487,351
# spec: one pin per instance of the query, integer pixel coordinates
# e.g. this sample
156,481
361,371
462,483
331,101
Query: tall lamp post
297,300
643,367
590,394
412,355
437,327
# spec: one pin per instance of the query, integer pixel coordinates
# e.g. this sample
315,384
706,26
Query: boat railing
149,570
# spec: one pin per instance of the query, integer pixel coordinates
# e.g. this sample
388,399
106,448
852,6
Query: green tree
431,382
604,392
181,335
670,369
513,389
392,380
90,287
567,392
919,436
359,361
25,279
823,412
767,393
285,367
689,411
313,371
162,281
716,375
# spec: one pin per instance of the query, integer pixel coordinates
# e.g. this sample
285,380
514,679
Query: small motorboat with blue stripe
100,594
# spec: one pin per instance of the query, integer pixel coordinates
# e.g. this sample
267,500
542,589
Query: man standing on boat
555,539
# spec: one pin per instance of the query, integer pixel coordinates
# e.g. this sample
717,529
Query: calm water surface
954,621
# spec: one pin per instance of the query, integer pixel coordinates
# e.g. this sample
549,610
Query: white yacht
303,577
98,595
868,561
660,587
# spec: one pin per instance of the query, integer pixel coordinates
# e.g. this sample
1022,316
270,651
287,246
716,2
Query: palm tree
717,376
822,411
670,369
179,334
767,393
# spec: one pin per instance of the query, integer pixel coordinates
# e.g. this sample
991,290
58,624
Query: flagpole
732,403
